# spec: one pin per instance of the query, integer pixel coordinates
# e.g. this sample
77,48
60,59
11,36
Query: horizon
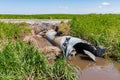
34,7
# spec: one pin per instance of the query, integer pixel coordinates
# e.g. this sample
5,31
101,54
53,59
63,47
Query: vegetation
13,30
64,28
41,16
63,71
20,61
100,30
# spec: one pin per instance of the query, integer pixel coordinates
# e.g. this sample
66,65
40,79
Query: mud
37,41
45,46
102,69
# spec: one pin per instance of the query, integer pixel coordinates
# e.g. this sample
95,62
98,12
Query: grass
13,30
19,61
41,16
64,28
63,71
100,30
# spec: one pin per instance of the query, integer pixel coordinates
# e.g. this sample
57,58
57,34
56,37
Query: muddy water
100,70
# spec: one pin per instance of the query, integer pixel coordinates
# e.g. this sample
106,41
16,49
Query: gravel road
33,21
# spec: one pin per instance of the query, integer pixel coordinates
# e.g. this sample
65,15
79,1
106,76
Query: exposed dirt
35,21
39,41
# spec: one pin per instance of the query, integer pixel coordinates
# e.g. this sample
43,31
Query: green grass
39,16
63,71
20,61
13,30
100,30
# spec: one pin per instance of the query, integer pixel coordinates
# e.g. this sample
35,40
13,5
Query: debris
90,55
46,38
68,43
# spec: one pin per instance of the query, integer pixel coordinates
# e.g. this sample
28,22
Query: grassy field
41,16
100,30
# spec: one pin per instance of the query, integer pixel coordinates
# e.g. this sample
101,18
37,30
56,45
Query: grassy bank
13,30
100,30
20,61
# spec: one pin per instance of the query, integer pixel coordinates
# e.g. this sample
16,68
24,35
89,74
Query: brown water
102,69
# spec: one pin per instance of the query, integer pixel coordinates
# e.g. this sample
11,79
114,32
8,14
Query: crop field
41,16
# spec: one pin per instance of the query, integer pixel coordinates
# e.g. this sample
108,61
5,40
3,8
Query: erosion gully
102,69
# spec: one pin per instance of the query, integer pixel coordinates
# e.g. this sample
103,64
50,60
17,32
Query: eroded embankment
102,69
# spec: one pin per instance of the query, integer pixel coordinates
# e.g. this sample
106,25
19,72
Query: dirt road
33,21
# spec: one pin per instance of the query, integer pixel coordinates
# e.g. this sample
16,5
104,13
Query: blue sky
59,6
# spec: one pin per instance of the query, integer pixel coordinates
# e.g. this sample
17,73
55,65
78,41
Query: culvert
69,45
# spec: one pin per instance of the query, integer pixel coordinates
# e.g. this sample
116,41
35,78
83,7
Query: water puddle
102,69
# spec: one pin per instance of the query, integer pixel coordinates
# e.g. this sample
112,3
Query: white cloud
105,3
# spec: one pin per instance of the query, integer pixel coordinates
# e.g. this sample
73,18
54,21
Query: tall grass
13,30
100,30
19,61
63,71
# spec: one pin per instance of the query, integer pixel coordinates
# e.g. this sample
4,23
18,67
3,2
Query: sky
59,6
